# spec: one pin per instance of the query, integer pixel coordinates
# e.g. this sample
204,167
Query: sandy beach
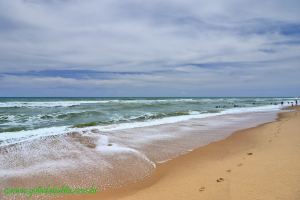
149,100
256,163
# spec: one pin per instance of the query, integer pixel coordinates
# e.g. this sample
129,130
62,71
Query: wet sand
256,163
112,159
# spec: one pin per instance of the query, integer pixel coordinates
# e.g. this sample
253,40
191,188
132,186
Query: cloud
191,47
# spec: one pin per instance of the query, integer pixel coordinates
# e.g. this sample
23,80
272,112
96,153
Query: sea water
34,117
113,141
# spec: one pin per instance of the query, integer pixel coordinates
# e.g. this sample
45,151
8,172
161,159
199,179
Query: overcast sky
149,48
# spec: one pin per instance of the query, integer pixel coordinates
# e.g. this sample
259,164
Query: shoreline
117,158
212,166
29,135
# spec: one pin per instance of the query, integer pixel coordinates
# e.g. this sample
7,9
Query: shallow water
113,158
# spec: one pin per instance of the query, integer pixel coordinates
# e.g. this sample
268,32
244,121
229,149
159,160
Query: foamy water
115,154
8,138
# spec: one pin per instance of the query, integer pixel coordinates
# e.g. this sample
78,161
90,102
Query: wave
48,104
69,103
143,117
7,138
74,115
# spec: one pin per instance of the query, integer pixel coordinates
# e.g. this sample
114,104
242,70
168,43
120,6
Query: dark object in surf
84,140
95,131
91,145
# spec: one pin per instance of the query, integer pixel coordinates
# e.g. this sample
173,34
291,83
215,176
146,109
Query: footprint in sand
228,170
249,154
240,164
220,180
270,140
201,189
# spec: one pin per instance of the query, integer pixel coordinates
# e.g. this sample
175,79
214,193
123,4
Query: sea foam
8,138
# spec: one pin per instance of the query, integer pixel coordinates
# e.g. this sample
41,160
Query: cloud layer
149,48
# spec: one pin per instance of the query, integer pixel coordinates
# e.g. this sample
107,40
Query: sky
149,48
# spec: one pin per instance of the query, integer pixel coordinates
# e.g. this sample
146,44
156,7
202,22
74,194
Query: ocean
110,142
25,118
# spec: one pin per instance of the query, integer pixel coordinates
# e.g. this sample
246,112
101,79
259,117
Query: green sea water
17,114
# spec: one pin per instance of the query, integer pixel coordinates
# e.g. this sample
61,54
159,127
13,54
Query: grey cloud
158,39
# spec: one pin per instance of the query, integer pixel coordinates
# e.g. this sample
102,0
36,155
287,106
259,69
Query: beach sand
257,163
